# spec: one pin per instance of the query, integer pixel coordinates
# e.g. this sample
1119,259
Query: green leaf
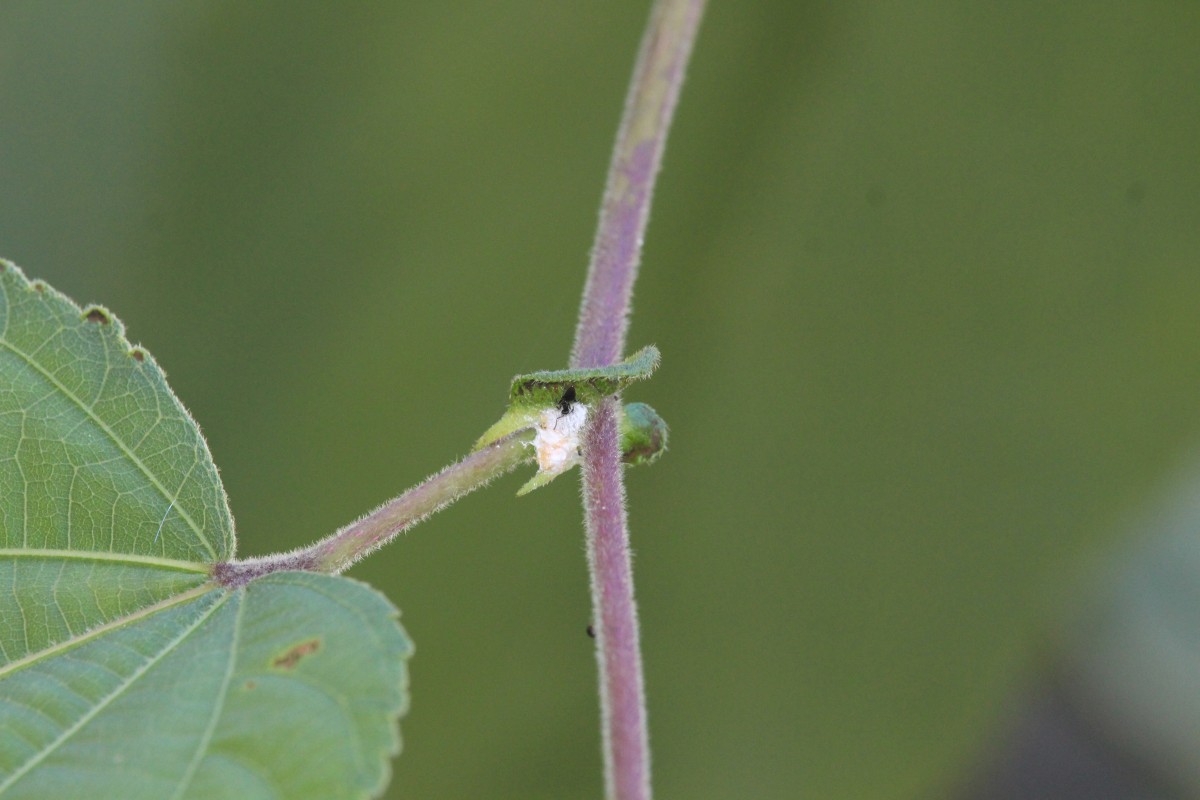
538,389
125,671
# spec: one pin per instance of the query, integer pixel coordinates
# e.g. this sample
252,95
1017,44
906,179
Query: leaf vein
219,706
112,435
79,724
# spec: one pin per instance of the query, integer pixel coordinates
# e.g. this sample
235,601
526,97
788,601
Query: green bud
643,434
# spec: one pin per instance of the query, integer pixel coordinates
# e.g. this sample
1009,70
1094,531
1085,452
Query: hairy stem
339,550
600,341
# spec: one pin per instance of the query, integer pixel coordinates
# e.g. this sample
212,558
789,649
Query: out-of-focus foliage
924,280
1129,659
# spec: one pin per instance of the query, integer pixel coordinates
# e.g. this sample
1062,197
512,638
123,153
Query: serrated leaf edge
139,354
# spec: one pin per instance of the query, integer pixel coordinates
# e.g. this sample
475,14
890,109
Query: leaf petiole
643,433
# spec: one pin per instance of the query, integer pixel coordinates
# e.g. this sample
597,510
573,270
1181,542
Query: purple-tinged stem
637,156
618,651
339,550
599,342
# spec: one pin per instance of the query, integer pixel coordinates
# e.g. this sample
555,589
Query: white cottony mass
557,440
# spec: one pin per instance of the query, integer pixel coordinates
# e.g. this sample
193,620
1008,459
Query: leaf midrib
92,633
185,780
131,559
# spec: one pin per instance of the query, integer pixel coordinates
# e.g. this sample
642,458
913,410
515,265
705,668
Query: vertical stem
618,650
637,156
600,341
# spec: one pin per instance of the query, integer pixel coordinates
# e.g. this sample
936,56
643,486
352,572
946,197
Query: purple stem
339,550
599,342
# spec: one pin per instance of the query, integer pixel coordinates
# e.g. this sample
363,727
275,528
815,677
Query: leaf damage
295,654
98,315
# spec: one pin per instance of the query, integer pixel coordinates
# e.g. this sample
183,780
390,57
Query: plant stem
600,341
339,550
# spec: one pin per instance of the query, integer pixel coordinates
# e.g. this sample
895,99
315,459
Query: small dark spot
96,315
591,631
138,355
250,686
38,286
292,657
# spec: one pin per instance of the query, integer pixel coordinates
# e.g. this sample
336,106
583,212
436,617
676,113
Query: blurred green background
924,277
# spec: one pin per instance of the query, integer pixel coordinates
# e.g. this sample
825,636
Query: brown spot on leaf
96,315
250,686
38,286
292,657
138,355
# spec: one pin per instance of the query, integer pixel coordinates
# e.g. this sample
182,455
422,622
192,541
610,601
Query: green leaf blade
61,599
543,388
238,693
304,634
70,714
126,671
96,453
